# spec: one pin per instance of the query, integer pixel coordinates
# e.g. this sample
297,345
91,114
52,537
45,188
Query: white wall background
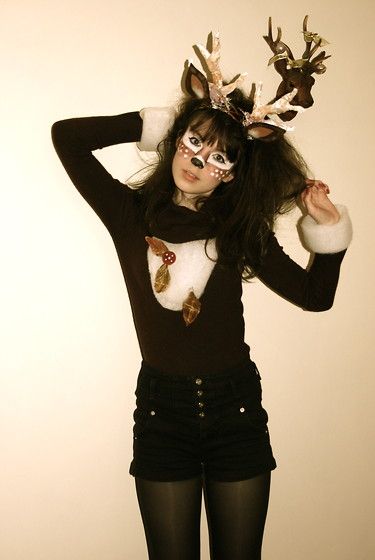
69,356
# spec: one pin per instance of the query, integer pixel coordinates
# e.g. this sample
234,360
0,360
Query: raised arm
75,139
312,289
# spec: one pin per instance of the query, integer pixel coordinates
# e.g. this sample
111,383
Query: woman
186,237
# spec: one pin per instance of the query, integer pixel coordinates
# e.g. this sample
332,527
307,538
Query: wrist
330,220
327,238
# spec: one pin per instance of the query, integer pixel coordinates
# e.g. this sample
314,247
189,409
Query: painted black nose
197,162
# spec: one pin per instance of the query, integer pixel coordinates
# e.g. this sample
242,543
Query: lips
189,176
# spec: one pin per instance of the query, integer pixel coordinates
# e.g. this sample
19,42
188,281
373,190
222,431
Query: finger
317,183
307,199
305,193
312,182
319,193
323,187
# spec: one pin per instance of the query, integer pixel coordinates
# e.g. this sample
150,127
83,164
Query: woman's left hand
318,205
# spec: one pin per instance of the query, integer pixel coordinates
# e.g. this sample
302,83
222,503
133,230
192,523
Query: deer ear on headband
196,83
264,131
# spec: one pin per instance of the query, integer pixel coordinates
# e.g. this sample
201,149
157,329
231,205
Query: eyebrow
202,138
196,131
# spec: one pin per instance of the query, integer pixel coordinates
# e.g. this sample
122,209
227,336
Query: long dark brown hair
268,177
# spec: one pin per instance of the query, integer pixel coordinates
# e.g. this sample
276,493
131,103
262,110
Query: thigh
171,514
236,514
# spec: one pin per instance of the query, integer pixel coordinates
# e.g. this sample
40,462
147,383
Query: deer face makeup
191,143
198,167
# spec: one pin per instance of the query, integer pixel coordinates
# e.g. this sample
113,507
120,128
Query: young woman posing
186,238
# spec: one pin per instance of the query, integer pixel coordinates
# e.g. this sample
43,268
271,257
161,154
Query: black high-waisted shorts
207,424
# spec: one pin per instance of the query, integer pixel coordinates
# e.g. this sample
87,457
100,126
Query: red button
168,257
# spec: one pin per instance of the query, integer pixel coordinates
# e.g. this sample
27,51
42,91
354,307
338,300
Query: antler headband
263,122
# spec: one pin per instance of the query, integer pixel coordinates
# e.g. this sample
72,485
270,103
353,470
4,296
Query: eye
220,160
194,140
191,141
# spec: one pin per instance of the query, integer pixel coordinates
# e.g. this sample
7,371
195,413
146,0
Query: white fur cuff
156,123
320,238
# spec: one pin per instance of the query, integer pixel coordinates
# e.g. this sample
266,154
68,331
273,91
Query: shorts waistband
211,378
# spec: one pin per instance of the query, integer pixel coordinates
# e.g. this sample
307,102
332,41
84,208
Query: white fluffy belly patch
189,273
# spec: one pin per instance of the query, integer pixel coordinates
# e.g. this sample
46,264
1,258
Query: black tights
236,513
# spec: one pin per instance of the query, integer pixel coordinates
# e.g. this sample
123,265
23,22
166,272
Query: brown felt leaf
162,278
157,246
191,308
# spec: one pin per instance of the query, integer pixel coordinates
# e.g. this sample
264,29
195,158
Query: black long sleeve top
214,342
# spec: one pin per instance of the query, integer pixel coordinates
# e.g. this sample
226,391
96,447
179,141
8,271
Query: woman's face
198,167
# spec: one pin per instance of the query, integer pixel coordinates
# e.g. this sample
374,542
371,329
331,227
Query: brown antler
296,73
215,90
281,50
315,65
212,60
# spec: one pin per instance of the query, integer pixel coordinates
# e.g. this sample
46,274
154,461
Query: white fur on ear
325,239
156,123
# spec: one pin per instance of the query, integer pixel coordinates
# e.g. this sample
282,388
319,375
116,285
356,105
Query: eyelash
195,141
